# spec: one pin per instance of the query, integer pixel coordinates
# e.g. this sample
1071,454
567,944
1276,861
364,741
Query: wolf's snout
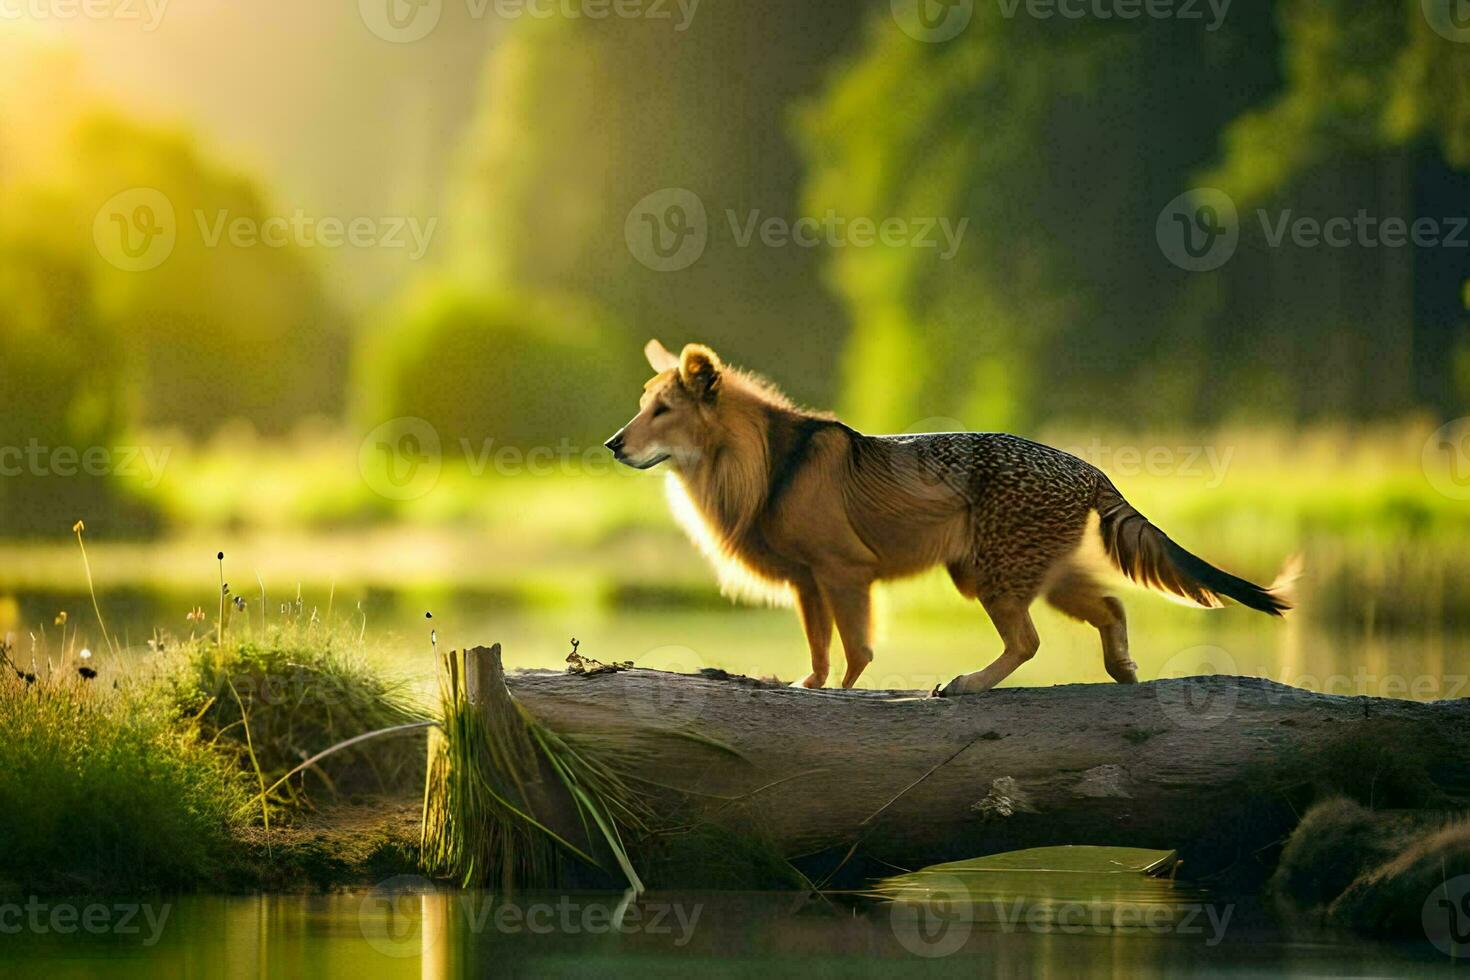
616,443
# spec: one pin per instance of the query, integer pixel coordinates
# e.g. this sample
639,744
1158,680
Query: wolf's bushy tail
1148,556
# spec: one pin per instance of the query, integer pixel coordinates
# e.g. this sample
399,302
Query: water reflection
1066,890
407,927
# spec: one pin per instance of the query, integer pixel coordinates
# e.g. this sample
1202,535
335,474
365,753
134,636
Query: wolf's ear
699,369
659,357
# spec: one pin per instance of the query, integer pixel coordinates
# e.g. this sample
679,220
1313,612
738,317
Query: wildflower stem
219,627
87,566
261,582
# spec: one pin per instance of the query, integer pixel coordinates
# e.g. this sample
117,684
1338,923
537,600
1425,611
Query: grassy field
1382,523
532,560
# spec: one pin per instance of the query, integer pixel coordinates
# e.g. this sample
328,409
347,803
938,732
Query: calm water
405,929
924,637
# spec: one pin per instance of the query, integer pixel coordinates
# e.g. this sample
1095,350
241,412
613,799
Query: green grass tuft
104,790
480,813
273,700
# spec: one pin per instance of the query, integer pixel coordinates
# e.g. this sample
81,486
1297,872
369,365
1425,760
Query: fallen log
1217,767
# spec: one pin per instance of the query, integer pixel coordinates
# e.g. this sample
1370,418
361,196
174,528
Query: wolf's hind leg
1120,665
1012,618
816,620
1078,595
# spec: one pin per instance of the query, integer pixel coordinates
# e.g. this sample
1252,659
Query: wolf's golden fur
793,505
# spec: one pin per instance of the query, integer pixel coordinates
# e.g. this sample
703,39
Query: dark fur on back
789,436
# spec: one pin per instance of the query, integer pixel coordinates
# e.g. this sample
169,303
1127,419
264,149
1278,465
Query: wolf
791,502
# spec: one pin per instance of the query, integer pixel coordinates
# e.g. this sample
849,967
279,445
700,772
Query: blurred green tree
582,119
122,310
63,394
223,327
1062,140
513,370
1374,113
1059,140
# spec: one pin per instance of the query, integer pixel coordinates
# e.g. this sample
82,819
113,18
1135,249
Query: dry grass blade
265,812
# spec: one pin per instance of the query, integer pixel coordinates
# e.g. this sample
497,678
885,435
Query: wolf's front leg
851,603
816,620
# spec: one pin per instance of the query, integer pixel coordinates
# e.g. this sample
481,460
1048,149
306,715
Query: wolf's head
678,411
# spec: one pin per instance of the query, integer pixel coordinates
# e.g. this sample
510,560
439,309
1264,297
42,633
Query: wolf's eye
659,409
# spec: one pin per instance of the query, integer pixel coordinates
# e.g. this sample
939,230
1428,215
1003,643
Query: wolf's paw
949,690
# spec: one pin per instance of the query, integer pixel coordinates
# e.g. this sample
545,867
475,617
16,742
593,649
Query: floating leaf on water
1068,858
1108,885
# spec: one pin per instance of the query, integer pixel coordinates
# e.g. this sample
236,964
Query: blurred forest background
261,371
